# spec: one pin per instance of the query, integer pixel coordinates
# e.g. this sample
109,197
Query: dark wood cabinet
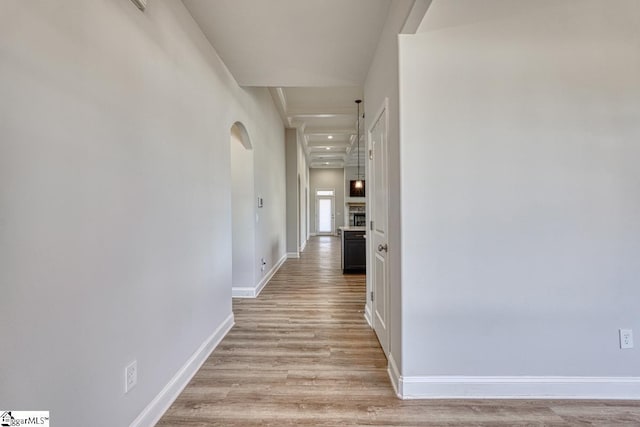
354,259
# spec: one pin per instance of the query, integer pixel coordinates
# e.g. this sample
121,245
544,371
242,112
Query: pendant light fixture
359,182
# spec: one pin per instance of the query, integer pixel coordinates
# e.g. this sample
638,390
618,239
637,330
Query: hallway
302,354
294,354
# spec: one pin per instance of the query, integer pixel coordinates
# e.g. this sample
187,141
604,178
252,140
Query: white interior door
325,215
378,229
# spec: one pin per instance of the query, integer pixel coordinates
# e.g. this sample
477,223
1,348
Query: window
325,193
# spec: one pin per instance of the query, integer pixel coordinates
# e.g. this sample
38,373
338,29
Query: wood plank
302,354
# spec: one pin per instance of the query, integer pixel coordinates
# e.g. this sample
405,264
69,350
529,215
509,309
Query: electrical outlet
263,264
130,376
626,338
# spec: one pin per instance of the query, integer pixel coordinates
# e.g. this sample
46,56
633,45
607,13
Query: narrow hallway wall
115,203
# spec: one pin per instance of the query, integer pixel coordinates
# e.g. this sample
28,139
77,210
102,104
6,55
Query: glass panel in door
325,215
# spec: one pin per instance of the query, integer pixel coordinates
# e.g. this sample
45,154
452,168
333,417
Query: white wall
305,194
381,83
520,198
115,227
242,211
326,179
293,202
297,186
270,185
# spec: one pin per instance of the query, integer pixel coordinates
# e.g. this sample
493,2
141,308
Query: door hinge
370,154
370,225
371,295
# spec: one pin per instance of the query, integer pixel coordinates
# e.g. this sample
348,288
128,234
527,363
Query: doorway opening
325,212
242,210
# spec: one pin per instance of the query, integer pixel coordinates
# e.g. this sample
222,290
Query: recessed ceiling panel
328,97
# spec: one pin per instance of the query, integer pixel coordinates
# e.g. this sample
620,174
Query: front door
378,229
325,215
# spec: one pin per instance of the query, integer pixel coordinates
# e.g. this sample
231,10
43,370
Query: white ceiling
455,13
293,43
313,54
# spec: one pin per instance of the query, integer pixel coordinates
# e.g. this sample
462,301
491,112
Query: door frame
333,211
369,306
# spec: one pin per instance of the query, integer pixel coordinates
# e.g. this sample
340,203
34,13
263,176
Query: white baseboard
243,292
253,292
293,255
367,314
159,405
513,387
304,245
394,376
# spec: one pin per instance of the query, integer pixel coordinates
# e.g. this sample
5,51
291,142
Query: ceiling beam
321,112
415,16
330,131
280,100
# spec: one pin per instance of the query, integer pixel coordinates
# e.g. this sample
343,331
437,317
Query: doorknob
382,247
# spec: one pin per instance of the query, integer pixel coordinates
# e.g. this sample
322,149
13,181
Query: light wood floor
302,354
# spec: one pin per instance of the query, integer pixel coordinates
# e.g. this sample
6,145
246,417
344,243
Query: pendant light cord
358,101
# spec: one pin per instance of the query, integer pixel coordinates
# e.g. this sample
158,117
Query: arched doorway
242,211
